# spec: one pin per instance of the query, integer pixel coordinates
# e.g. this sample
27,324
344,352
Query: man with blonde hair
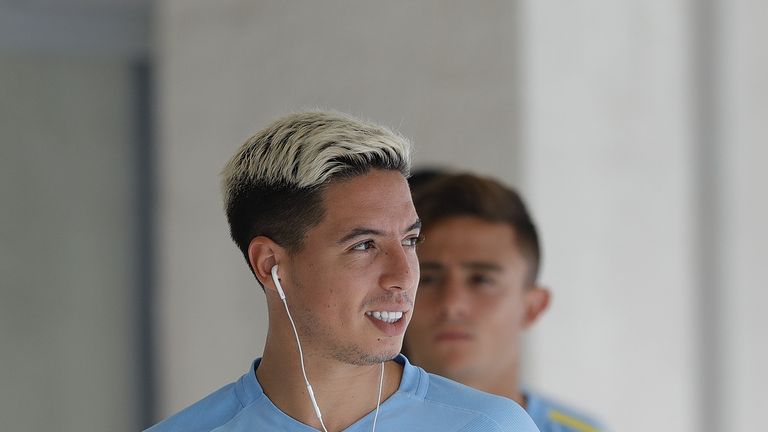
319,206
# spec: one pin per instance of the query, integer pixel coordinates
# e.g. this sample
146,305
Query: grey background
635,129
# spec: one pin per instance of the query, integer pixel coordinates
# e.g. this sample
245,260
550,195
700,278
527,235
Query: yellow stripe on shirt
572,422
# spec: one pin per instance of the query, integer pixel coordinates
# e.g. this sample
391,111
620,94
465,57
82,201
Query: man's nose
401,270
455,300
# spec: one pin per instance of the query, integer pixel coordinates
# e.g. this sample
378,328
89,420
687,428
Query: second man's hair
454,195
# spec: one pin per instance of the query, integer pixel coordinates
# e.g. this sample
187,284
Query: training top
424,402
551,416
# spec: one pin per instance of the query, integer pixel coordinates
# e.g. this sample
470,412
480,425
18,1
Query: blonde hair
306,149
272,184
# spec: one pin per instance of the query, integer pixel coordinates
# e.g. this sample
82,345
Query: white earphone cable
304,371
378,400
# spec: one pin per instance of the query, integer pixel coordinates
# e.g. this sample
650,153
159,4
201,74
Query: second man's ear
536,302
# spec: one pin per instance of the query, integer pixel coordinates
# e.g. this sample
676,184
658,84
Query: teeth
386,316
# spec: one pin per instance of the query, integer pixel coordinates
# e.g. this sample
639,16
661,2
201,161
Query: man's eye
428,280
412,241
363,246
480,279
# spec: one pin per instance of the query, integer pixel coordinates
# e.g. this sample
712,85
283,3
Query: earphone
276,280
281,293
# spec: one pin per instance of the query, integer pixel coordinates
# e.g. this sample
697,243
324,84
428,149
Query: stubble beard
327,344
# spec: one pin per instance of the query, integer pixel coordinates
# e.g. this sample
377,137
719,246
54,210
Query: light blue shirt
423,402
550,416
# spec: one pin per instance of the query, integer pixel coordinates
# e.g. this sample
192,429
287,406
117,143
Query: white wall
69,230
645,140
742,247
611,175
68,339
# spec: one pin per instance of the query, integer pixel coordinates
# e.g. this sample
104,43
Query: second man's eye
428,279
480,279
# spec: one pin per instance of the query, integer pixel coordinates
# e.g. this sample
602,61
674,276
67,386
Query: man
478,291
320,208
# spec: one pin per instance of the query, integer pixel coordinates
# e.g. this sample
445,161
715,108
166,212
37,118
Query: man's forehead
381,224
375,185
377,200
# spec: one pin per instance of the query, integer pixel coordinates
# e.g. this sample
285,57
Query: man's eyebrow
358,232
481,265
362,231
471,265
415,225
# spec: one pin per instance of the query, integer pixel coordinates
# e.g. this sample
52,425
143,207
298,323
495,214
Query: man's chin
384,356
372,358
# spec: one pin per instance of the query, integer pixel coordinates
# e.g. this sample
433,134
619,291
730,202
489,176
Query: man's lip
396,328
452,335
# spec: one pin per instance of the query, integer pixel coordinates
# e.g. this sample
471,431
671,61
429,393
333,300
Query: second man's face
471,306
357,273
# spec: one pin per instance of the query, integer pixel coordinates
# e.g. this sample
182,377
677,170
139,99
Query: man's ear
263,254
536,302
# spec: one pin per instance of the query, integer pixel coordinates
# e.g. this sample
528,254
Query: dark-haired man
478,291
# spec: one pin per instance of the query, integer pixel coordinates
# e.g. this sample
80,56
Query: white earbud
276,280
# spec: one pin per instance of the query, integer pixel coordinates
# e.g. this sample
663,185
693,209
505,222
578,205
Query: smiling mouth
386,316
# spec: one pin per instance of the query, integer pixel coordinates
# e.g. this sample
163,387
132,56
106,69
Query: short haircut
454,195
273,185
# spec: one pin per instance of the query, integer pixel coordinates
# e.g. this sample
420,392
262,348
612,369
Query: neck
345,393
